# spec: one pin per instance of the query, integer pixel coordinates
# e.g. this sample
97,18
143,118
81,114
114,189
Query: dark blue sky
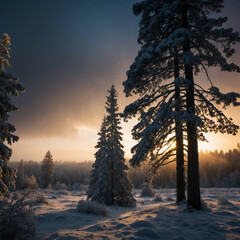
67,53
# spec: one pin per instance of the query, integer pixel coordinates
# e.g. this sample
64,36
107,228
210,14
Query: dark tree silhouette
47,170
9,88
179,39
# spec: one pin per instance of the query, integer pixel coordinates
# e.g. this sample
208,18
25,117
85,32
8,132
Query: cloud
67,61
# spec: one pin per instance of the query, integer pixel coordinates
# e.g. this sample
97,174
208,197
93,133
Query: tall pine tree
9,88
178,39
99,156
113,186
47,170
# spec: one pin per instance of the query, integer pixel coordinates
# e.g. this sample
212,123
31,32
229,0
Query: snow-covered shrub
60,186
84,188
223,201
205,206
78,193
92,207
142,202
49,187
147,191
169,198
75,187
157,198
40,198
31,182
63,192
17,218
49,191
15,195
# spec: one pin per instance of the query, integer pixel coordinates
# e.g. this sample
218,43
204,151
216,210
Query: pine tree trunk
179,141
110,186
112,200
193,166
110,190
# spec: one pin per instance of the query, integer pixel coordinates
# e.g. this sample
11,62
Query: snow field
220,218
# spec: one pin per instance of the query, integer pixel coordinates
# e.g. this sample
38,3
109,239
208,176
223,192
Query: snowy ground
149,220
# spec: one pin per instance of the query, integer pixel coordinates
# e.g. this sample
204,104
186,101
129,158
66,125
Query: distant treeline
217,169
66,172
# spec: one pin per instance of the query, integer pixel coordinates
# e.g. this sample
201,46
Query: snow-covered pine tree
9,87
99,156
113,186
178,33
165,66
147,76
47,170
200,50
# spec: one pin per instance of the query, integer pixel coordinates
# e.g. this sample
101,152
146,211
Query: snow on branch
225,99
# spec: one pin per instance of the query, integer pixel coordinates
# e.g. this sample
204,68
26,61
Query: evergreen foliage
9,88
47,170
112,186
179,39
18,219
99,156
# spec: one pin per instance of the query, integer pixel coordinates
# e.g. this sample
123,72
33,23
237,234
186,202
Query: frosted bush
157,198
223,201
16,195
60,186
141,202
147,191
92,207
169,198
49,191
78,193
205,206
40,198
31,182
17,218
84,188
75,187
63,192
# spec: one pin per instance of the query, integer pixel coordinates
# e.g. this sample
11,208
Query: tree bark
193,165
179,141
112,166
